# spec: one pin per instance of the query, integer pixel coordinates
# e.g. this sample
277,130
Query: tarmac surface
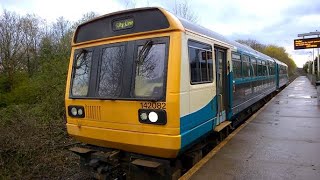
282,142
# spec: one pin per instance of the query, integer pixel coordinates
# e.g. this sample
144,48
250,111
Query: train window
236,65
245,66
194,65
267,68
259,67
271,68
285,70
264,69
80,83
210,65
110,71
201,63
254,66
150,72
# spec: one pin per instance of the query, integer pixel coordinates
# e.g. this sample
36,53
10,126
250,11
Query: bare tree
61,33
32,35
128,4
254,44
183,9
85,17
10,44
61,28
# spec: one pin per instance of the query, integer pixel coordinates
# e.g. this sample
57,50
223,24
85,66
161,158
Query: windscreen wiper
144,52
82,52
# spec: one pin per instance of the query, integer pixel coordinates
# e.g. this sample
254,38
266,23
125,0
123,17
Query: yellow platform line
214,151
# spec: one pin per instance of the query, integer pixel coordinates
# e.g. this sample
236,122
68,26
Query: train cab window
245,66
81,73
150,75
236,65
254,66
201,63
111,71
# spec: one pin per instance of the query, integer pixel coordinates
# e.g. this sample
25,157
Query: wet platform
282,142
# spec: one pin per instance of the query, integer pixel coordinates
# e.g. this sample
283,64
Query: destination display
123,24
118,24
307,43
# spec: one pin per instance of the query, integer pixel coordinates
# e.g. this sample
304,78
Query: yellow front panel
144,143
115,123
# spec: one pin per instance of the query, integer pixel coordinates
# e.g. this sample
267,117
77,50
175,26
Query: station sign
307,43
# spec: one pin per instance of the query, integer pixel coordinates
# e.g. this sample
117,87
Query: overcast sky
269,22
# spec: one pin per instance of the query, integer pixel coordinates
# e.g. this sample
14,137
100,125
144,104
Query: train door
221,70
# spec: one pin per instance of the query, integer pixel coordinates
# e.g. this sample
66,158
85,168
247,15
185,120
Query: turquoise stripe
252,79
197,124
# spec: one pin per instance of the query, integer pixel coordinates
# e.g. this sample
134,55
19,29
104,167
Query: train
148,91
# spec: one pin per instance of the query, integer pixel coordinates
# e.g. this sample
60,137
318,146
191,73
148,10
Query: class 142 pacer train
147,92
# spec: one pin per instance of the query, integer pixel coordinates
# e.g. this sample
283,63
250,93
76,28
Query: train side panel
253,86
197,101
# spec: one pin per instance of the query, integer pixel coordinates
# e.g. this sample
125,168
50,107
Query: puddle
298,88
301,96
281,102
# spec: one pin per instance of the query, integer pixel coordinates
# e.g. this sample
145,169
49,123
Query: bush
32,148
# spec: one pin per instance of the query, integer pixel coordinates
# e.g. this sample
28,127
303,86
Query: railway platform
280,141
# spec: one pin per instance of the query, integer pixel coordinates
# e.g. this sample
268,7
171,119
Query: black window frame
131,54
192,44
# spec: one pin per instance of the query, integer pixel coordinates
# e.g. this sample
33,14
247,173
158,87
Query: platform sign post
308,43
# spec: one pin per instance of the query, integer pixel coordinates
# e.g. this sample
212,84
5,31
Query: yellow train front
129,87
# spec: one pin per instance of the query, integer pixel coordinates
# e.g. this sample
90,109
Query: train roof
207,32
148,19
280,63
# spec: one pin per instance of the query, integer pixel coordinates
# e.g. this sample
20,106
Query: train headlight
153,117
76,111
80,112
143,116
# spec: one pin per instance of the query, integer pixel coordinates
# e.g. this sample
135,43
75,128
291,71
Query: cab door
221,83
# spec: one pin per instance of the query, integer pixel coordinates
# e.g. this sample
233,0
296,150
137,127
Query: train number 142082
150,105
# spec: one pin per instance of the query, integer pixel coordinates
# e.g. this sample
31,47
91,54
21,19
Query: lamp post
318,65
310,63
